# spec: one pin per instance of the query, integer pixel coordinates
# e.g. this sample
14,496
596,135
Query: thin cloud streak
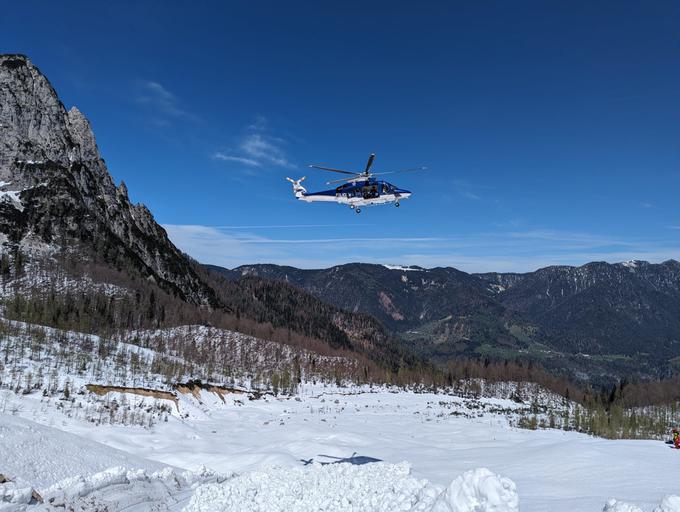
286,226
496,251
464,189
161,102
240,159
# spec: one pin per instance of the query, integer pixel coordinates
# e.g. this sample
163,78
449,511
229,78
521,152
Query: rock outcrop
56,192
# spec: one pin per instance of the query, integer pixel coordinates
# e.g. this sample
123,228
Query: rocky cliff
56,192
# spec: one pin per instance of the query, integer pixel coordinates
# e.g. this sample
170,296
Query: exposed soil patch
101,390
196,386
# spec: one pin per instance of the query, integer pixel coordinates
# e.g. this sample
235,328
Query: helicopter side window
370,191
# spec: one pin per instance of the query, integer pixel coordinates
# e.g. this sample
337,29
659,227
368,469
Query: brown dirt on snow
101,390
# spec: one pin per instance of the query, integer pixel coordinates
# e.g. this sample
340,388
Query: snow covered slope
44,456
391,445
442,437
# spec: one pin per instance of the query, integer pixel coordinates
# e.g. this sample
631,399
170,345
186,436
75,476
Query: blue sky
551,132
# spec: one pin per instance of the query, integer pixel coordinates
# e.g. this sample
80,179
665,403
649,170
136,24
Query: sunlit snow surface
422,442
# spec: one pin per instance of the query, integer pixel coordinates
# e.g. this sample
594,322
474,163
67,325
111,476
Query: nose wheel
358,210
396,204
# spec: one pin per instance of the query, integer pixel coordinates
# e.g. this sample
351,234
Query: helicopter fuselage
361,189
358,193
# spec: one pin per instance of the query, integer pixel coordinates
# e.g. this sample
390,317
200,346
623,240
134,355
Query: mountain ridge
611,312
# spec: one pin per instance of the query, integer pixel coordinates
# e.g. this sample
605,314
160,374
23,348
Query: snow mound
669,504
352,488
14,495
337,487
112,489
165,482
479,490
613,505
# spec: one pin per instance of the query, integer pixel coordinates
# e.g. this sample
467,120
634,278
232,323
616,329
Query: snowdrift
44,455
479,490
353,488
113,489
668,504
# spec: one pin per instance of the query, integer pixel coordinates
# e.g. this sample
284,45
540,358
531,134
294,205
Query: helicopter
359,190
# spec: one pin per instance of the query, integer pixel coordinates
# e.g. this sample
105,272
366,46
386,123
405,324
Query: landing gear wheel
358,210
396,204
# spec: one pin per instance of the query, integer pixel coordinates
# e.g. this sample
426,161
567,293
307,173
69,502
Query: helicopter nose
404,193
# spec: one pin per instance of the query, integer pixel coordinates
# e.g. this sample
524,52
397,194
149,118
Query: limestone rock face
55,188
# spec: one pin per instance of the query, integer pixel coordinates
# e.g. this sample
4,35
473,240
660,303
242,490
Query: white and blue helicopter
361,189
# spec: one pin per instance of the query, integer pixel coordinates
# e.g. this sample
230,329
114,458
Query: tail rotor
298,189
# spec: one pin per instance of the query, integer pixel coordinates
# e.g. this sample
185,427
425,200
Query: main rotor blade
332,170
412,169
344,180
369,163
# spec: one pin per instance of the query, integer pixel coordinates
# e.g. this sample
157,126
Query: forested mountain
599,319
624,308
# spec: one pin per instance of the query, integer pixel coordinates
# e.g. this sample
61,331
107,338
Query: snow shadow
357,460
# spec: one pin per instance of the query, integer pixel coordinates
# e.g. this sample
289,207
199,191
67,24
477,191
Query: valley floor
440,436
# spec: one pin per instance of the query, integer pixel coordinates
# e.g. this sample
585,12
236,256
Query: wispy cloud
218,155
257,148
465,189
507,251
259,124
646,205
266,149
163,105
290,226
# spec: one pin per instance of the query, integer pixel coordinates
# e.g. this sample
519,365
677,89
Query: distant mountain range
594,321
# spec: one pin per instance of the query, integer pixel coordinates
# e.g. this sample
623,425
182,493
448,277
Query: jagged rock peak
122,190
35,129
82,134
32,119
62,192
